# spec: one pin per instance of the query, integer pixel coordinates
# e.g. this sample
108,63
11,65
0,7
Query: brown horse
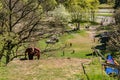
32,52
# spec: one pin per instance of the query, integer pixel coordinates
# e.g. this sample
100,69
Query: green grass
96,71
105,28
57,67
105,14
106,6
77,54
3,73
81,48
81,33
49,69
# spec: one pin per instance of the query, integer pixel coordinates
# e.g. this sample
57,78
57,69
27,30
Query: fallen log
112,65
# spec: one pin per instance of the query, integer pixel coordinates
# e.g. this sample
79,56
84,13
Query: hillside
68,67
64,68
48,69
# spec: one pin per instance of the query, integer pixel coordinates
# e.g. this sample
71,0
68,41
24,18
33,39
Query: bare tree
20,22
114,42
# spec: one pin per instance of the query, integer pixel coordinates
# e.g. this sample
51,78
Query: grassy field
81,45
54,69
54,65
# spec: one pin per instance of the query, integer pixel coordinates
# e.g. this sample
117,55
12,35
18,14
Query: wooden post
84,71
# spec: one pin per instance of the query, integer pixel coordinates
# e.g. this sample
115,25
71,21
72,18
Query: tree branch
14,4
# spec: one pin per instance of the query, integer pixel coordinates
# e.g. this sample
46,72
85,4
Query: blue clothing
110,70
110,59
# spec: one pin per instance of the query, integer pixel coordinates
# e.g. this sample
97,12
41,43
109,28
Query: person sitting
110,70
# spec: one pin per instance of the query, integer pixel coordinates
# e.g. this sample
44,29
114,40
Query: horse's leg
30,57
38,56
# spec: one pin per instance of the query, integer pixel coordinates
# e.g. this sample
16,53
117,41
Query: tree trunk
1,54
78,26
7,58
9,49
92,15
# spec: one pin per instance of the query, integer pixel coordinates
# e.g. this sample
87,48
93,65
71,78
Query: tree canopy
21,22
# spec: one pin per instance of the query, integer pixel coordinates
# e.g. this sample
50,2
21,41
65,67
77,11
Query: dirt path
92,33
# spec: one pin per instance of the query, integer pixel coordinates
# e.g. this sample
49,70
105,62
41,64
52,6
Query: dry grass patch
48,69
